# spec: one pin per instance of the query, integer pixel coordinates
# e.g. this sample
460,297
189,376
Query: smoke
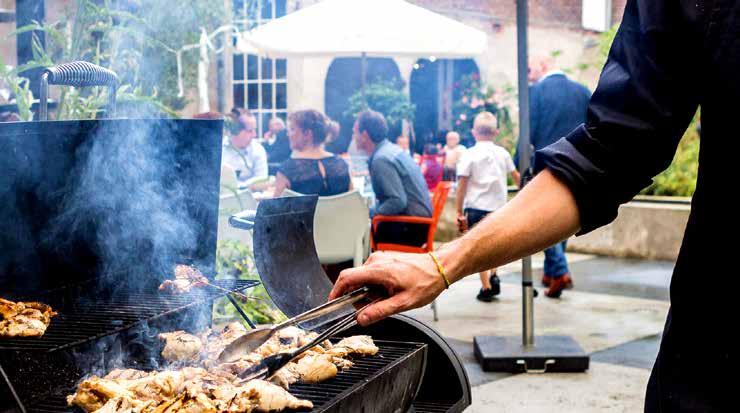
127,193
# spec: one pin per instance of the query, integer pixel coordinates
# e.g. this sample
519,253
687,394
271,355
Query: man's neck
551,73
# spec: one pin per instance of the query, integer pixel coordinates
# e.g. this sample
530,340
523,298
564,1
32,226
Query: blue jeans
555,263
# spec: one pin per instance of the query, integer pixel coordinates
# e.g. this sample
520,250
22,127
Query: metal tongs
258,336
268,366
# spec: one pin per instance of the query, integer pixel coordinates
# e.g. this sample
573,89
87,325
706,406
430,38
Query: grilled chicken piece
24,319
186,278
268,397
315,368
93,393
127,374
181,346
355,345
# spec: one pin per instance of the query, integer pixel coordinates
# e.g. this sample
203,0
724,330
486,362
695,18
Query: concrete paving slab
604,388
595,321
615,276
638,353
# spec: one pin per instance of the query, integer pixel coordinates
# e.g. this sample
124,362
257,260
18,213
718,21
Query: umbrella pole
520,354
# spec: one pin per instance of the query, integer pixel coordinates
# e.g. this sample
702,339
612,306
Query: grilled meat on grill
355,345
181,346
315,368
187,390
24,318
186,278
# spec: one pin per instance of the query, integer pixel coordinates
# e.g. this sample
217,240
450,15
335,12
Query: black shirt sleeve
646,97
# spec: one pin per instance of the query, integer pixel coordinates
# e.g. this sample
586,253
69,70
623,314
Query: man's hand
410,280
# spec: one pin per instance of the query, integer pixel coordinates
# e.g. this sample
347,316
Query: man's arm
391,186
543,213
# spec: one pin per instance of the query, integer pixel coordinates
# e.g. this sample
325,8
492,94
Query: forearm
543,213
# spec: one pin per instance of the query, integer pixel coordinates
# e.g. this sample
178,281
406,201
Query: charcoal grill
110,315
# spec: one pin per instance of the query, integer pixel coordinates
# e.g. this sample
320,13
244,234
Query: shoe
495,284
557,285
486,295
546,279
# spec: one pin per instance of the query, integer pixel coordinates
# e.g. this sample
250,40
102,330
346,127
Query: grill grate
323,395
84,322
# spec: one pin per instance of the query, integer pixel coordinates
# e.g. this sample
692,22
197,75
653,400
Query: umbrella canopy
364,27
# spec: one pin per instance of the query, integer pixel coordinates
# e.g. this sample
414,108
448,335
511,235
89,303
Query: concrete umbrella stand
528,353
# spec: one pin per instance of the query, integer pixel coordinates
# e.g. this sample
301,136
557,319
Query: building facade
557,27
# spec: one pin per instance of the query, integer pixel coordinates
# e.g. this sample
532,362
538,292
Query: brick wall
562,13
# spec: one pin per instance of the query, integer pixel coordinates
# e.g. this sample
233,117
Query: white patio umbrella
379,28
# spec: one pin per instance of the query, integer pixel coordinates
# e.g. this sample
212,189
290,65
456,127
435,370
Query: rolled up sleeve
646,97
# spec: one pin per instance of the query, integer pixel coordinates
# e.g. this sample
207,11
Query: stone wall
641,230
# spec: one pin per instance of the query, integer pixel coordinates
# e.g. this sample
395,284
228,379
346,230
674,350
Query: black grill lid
123,198
285,256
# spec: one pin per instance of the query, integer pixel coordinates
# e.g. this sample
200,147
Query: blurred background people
277,146
311,169
243,154
452,150
432,166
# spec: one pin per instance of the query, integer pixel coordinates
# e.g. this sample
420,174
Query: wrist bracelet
440,269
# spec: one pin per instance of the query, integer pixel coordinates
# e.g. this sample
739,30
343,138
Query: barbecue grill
98,259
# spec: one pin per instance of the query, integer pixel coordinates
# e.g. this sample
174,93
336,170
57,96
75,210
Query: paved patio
616,313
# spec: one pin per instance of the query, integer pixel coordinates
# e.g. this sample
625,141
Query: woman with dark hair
311,169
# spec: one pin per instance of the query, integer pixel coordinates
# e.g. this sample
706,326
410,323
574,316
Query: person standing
481,188
399,186
244,154
557,105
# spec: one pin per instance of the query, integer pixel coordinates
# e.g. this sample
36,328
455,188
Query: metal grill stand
550,353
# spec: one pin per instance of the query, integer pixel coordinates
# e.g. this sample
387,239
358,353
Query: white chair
233,200
341,227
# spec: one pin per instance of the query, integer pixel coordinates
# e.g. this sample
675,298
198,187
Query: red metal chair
439,198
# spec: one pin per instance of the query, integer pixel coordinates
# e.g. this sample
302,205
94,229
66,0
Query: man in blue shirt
397,181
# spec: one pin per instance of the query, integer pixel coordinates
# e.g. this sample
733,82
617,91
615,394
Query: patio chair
341,227
438,203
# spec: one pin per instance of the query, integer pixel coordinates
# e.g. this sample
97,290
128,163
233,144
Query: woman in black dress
311,169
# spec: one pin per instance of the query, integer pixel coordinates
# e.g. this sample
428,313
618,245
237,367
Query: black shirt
669,57
306,178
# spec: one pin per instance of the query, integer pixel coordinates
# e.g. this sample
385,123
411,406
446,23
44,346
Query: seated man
276,144
397,181
244,154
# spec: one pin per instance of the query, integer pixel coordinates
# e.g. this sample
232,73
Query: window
259,84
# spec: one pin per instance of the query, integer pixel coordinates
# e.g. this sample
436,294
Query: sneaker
486,295
495,284
546,279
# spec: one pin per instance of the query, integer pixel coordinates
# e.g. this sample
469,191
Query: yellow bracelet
440,269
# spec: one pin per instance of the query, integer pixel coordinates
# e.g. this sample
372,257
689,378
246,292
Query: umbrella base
550,354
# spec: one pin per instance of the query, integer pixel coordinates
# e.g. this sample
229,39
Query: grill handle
78,74
243,220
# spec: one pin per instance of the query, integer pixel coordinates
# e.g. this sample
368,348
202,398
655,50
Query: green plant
476,97
386,97
234,260
680,177
19,86
137,40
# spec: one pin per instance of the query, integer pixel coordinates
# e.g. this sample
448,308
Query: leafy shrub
386,97
234,260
